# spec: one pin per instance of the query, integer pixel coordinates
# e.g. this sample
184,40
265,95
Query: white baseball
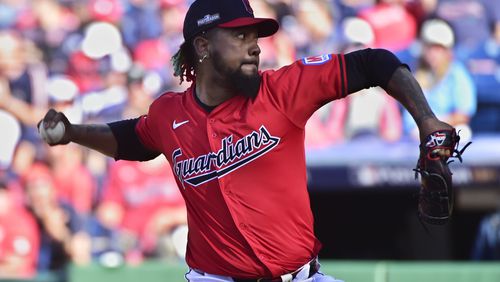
52,135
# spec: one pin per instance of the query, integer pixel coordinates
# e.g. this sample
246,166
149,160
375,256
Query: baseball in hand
52,135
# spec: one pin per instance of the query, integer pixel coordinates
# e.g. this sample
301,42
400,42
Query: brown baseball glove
435,199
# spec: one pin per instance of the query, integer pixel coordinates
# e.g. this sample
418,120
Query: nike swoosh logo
175,125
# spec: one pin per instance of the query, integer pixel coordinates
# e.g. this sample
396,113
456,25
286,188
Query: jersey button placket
210,128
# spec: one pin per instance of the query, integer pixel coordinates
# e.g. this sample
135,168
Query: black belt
313,269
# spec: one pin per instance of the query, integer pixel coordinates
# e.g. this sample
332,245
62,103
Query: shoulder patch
317,60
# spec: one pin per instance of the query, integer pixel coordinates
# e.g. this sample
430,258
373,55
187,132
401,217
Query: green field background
349,271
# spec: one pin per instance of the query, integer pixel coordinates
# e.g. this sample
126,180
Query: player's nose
254,49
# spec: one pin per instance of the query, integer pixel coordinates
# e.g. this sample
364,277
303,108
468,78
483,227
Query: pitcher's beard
246,85
243,84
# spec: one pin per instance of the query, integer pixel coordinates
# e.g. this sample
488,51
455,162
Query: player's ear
201,45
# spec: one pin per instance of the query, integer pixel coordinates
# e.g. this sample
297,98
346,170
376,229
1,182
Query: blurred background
71,214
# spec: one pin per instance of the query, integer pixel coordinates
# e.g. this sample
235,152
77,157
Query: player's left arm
404,88
378,67
439,140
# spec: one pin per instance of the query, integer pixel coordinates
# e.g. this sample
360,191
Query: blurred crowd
104,60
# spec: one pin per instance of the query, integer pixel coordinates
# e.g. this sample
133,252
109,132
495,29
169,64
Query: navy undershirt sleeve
129,146
370,67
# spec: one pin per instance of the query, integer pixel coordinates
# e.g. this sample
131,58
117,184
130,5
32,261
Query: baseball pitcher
235,142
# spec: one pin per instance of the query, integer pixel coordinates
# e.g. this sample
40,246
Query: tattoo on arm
404,88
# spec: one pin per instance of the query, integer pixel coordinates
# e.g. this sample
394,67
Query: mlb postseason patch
316,60
207,19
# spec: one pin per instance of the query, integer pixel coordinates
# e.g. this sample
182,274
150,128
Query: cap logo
247,6
207,19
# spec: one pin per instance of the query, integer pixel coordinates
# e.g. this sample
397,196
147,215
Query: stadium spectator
368,113
470,20
21,83
73,182
11,133
110,11
64,95
105,79
142,86
19,238
63,239
393,26
172,17
52,27
143,202
85,72
278,50
420,9
25,155
313,28
141,21
151,55
108,236
487,242
350,8
446,83
484,64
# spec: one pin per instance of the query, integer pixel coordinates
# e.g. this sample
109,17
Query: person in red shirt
394,27
141,200
19,238
235,141
73,181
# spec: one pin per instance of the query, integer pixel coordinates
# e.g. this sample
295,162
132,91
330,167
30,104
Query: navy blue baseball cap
205,14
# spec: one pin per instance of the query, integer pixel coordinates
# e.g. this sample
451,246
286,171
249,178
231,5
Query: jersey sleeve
301,88
147,129
129,145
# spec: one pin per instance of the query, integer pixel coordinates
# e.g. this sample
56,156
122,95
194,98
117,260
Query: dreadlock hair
184,62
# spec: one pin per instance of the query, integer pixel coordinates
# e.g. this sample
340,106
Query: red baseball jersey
241,168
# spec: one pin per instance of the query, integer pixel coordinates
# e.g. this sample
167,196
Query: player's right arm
117,139
98,137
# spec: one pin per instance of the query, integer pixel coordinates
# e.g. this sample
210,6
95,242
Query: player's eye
245,35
